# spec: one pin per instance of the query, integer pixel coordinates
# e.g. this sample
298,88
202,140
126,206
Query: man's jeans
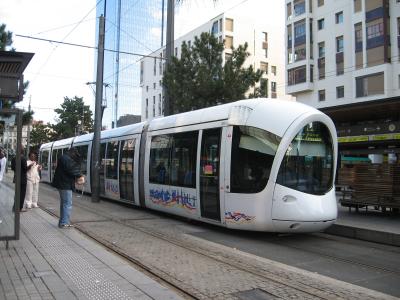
65,206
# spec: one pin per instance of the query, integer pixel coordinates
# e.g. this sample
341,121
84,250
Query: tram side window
112,160
44,160
183,159
127,157
160,159
54,159
83,151
102,157
253,152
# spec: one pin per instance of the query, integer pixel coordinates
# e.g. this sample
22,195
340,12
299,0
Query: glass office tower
131,27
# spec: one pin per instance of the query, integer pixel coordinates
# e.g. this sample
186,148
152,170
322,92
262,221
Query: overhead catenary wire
86,46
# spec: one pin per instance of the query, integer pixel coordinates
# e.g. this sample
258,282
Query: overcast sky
56,70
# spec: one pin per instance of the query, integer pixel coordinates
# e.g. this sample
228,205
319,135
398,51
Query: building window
159,104
141,72
273,70
299,7
147,88
229,24
154,106
154,85
300,53
320,3
297,75
155,66
147,108
321,49
214,28
375,35
358,37
339,44
228,42
339,92
299,33
321,24
357,5
273,89
228,56
160,82
289,10
176,52
290,55
321,95
264,67
263,87
220,25
339,17
321,68
370,85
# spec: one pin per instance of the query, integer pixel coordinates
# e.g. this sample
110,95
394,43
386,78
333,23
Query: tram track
196,247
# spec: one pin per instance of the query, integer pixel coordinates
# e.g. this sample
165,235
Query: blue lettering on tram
175,198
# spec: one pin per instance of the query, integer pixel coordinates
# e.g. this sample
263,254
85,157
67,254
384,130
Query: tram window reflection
160,159
253,152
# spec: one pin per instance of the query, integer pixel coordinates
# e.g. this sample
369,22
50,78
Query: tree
72,110
199,79
5,38
40,134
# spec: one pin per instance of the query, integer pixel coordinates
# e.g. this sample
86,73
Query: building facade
342,52
234,30
132,28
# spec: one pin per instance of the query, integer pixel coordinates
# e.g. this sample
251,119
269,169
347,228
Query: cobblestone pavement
203,269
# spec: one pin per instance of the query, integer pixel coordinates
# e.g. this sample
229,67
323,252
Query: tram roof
272,114
123,131
47,145
63,143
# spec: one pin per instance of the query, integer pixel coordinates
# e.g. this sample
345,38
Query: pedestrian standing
24,169
3,163
33,179
66,174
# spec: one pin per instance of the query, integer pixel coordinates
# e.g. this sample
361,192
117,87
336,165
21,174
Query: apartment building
343,57
264,45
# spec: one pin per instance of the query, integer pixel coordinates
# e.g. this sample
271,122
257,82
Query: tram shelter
12,65
369,153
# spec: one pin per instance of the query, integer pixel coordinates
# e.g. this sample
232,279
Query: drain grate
254,294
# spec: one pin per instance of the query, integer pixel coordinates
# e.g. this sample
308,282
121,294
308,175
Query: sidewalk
52,263
371,225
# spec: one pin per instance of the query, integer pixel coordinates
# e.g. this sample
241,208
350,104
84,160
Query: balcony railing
375,42
374,14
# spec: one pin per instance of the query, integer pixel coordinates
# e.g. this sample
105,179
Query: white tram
260,164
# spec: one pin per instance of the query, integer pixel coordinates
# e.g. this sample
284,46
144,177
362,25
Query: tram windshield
308,162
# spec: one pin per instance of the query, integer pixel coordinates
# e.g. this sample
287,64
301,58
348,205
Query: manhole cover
255,294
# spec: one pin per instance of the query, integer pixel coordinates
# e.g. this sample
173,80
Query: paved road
210,262
7,216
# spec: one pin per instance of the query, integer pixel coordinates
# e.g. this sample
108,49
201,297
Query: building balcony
374,14
300,88
375,42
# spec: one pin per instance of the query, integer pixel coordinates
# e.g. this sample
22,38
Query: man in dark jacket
67,171
24,170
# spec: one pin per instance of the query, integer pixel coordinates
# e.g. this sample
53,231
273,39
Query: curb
369,235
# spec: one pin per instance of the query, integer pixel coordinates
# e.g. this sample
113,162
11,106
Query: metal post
28,139
117,64
97,118
169,50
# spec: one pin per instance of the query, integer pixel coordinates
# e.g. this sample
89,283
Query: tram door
210,173
126,167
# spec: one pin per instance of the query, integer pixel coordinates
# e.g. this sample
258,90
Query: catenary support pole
169,50
97,115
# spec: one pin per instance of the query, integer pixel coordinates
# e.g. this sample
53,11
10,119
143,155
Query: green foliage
72,110
199,79
40,134
5,38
